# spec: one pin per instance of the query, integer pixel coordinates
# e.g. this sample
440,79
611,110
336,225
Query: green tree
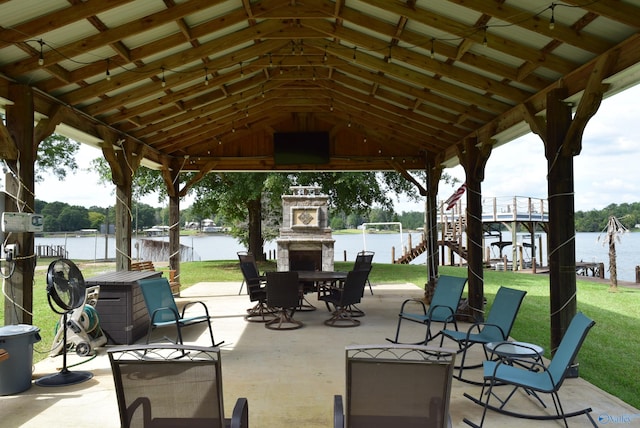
56,155
96,219
74,218
242,199
51,213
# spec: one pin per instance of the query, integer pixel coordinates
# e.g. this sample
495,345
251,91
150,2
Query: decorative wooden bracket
408,177
589,103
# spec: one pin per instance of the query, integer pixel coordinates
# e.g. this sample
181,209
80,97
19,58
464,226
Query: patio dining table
320,279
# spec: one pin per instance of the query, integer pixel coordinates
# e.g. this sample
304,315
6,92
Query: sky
607,171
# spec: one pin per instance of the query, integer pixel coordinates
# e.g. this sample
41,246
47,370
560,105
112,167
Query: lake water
223,247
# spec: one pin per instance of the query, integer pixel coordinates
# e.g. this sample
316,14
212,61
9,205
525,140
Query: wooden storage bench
147,265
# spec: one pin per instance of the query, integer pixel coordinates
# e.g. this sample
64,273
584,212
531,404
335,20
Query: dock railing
516,208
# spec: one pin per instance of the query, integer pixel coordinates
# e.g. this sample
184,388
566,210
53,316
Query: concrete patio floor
288,377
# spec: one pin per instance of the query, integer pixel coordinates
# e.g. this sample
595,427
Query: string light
108,74
241,70
206,76
41,57
485,28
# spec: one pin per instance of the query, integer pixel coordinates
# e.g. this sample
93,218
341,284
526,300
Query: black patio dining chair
364,260
283,296
256,288
344,298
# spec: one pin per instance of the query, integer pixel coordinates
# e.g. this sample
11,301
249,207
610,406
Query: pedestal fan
65,292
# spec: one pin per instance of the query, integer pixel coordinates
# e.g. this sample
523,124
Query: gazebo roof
205,85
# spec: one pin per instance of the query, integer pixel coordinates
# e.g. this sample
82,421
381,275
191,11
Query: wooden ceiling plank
539,24
457,29
90,43
405,55
56,19
176,61
615,10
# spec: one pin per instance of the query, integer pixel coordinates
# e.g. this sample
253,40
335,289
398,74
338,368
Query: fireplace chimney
305,241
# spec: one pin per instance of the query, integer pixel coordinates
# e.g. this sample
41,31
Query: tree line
596,220
63,217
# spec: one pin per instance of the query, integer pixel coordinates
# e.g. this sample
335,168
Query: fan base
64,378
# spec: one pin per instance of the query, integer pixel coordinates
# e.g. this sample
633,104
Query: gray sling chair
162,385
406,386
442,309
534,377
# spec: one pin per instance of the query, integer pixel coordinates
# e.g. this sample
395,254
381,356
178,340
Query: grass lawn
607,359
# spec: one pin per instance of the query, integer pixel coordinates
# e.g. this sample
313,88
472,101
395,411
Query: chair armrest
176,316
189,304
424,307
478,325
240,415
338,412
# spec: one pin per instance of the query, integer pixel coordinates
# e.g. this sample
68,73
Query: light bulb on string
552,21
433,50
206,76
41,57
164,82
108,73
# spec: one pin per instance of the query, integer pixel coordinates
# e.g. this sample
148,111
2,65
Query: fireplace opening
305,260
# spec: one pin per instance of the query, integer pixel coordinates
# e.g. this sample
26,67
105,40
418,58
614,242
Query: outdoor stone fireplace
305,241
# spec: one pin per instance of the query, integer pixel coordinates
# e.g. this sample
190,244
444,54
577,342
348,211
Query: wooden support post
473,157
562,264
20,118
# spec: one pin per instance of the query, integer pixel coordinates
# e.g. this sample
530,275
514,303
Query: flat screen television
290,148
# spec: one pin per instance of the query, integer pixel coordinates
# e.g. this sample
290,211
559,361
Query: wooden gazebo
209,85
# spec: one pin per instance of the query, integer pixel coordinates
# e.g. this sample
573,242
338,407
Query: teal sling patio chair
496,328
406,386
535,377
442,309
164,385
163,311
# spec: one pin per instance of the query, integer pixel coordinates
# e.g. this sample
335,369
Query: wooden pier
51,251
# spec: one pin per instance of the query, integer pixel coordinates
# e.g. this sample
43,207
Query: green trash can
15,372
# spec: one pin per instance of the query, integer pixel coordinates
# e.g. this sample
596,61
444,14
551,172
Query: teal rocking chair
496,328
163,311
536,378
444,305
